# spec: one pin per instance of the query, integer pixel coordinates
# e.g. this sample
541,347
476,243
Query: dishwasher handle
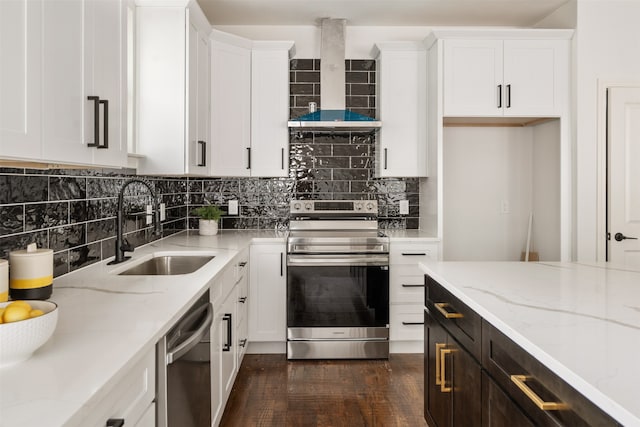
175,353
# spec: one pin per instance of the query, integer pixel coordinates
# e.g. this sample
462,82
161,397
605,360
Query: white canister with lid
31,273
4,280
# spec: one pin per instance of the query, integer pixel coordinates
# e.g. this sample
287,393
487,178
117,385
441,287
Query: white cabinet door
20,79
401,144
517,78
473,80
268,291
230,108
172,89
65,123
198,105
107,76
270,109
535,73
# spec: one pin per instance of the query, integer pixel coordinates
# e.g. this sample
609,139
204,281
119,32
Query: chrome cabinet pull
248,157
281,264
385,158
441,306
282,158
521,382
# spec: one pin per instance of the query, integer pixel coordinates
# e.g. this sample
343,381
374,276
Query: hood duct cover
332,86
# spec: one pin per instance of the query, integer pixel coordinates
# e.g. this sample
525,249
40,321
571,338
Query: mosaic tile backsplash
73,211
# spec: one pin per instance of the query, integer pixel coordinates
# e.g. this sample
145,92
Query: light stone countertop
581,321
106,323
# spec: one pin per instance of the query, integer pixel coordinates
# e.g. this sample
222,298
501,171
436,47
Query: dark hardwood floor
271,391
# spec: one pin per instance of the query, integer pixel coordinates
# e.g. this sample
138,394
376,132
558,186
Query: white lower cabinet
268,304
406,293
131,399
228,332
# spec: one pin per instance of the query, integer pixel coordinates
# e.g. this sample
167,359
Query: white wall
359,40
484,168
607,40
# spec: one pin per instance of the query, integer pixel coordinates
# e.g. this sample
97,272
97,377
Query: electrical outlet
404,207
163,213
149,214
505,207
233,207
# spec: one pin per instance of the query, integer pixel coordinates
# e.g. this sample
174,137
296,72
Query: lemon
36,313
20,304
15,313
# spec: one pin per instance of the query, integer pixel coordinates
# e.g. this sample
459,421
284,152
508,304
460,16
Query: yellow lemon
36,313
1,311
20,304
15,313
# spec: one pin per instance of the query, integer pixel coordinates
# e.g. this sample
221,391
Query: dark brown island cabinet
474,375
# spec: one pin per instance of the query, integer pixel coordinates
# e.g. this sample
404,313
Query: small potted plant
209,216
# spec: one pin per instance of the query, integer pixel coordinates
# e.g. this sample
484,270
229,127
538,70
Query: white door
623,189
198,92
267,305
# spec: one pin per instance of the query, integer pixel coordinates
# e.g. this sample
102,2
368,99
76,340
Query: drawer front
412,253
506,361
130,398
406,322
461,321
406,284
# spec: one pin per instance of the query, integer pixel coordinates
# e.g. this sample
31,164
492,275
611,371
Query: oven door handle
337,260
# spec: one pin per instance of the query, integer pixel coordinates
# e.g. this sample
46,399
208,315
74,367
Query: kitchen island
107,323
580,321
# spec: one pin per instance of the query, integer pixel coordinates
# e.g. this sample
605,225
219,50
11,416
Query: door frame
601,159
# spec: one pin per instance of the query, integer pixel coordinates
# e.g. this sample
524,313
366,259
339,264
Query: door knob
620,237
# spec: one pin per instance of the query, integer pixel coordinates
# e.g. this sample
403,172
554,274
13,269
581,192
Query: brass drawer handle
439,347
447,314
520,381
443,375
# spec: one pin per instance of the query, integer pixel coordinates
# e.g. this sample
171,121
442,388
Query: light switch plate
149,214
233,207
163,213
404,207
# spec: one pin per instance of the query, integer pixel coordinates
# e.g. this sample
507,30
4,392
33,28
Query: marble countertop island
581,321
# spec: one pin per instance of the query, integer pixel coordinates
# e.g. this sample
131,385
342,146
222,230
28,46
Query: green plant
209,212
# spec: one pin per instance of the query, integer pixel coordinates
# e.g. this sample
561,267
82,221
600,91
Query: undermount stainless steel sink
168,265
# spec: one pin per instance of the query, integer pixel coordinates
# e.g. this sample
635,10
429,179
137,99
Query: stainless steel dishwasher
184,369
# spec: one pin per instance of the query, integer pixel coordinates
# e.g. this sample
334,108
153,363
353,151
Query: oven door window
337,296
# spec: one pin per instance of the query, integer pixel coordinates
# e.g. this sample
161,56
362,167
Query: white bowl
18,340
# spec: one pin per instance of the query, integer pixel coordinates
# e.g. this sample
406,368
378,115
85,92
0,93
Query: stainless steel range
337,281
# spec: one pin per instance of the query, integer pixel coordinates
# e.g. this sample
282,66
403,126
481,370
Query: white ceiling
520,13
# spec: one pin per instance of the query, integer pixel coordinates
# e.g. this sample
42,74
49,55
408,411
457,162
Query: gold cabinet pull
447,314
443,375
439,347
521,382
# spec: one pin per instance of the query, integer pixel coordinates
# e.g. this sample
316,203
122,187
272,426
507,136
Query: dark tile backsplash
73,211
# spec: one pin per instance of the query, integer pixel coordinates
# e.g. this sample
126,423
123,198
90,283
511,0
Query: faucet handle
126,246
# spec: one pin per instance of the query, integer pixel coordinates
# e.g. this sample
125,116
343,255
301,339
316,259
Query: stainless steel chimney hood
333,115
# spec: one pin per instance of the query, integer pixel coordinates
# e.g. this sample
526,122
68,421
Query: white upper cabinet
270,108
506,77
172,89
249,106
401,144
20,88
230,105
63,82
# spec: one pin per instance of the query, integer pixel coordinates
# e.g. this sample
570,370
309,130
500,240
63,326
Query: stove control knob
308,206
358,206
296,206
369,206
